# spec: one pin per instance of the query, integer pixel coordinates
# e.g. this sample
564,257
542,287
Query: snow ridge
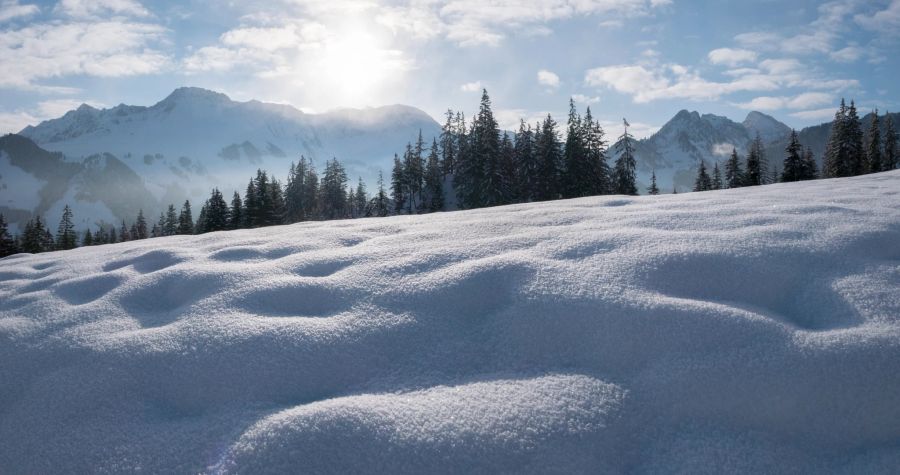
746,330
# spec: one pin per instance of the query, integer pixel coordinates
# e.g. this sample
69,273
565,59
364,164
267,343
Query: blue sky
643,59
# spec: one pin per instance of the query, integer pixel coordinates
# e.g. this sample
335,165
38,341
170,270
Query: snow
750,330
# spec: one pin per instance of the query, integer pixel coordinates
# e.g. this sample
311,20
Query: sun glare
355,68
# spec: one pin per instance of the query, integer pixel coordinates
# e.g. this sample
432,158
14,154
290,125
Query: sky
640,59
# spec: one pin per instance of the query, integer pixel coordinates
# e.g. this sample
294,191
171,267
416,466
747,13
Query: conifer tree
448,145
525,189
185,220
703,181
717,177
379,205
361,198
111,235
891,159
170,224
7,244
413,179
65,235
810,169
334,191
856,155
576,174
398,185
200,224
757,169
124,235
625,164
251,206
548,157
276,203
794,165
598,181
236,213
133,231
874,160
434,181
734,174
653,189
47,242
88,239
836,161
140,226
216,217
31,237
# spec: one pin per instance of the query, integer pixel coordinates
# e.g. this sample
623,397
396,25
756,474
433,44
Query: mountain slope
754,330
195,139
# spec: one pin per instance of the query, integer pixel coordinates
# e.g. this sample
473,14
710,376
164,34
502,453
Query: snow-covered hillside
749,330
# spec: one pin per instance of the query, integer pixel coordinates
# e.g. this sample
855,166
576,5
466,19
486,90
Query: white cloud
96,8
10,9
815,114
583,99
884,21
548,78
105,49
722,149
731,57
801,101
848,54
474,86
474,22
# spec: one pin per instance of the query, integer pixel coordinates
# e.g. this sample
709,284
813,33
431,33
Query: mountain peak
194,94
768,127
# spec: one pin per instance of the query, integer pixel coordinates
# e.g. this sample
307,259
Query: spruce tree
88,239
185,220
361,198
576,173
734,174
810,169
625,164
236,213
548,154
890,144
526,172
216,218
251,206
133,231
598,180
47,242
140,226
170,224
334,191
856,155
703,181
717,178
434,181
398,185
7,244
653,189
874,159
276,203
448,144
200,224
65,235
757,172
836,161
124,235
379,205
794,165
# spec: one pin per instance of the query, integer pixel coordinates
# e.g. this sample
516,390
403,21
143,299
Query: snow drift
750,330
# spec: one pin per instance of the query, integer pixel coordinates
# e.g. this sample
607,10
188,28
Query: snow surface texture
752,330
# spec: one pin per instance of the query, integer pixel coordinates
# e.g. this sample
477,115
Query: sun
356,68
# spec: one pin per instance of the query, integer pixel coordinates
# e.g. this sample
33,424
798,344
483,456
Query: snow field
750,330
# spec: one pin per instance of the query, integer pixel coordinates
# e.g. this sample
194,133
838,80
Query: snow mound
751,330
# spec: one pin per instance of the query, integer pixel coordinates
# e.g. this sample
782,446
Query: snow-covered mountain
195,139
754,330
675,151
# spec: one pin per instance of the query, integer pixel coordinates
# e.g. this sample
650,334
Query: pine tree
47,242
276,203
111,235
717,178
7,244
133,231
575,176
810,170
794,166
334,191
379,204
398,185
200,224
874,160
734,175
434,181
185,220
757,170
124,235
891,158
361,198
100,236
836,161
448,145
140,226
413,179
703,182
653,189
170,224
216,217
31,237
526,173
65,235
548,157
856,158
251,206
598,181
625,164
236,213
88,239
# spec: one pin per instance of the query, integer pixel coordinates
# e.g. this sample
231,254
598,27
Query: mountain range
108,163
